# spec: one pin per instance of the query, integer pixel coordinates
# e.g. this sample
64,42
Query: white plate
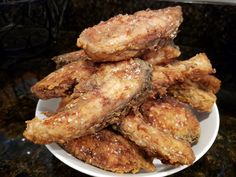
209,129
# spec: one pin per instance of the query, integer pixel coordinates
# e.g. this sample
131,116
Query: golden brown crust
67,58
210,83
62,81
126,36
97,93
109,151
157,143
191,93
172,117
165,76
116,88
163,55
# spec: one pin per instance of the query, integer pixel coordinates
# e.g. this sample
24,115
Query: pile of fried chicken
125,97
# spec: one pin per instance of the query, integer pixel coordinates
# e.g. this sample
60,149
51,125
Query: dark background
27,47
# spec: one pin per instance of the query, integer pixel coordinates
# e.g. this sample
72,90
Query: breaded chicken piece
209,83
67,58
156,142
62,81
191,93
113,90
126,36
163,55
173,117
165,76
109,151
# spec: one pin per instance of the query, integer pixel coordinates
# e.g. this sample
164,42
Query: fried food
172,117
113,90
163,55
67,58
126,36
209,83
109,151
97,93
191,93
165,76
62,81
157,143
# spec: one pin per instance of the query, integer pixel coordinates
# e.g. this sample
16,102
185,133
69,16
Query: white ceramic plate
209,129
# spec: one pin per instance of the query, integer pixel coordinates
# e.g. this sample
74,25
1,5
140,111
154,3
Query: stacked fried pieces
126,97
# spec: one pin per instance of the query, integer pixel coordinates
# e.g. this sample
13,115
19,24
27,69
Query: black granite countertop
206,28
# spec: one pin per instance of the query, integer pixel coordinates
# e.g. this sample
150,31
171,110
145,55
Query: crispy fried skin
61,82
173,117
126,36
163,55
67,58
109,151
209,83
165,76
116,88
191,93
157,143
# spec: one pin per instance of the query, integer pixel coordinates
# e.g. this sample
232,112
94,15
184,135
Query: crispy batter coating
114,89
210,83
157,143
67,58
165,76
62,81
109,151
191,93
97,94
163,55
126,36
173,117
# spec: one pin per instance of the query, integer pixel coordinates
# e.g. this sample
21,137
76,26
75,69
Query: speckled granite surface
206,28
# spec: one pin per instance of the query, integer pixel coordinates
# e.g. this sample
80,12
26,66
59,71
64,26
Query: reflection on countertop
206,28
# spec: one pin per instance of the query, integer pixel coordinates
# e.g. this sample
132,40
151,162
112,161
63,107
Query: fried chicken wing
173,117
191,93
163,55
165,76
62,81
67,58
126,36
109,151
157,143
114,89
